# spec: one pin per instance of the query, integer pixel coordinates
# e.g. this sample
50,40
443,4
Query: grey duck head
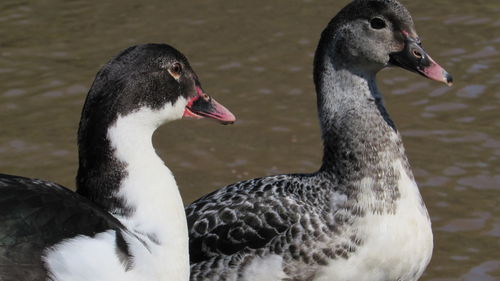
369,35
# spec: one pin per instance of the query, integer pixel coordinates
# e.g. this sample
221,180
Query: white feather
268,268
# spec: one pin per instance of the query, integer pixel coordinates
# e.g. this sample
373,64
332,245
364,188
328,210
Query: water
255,57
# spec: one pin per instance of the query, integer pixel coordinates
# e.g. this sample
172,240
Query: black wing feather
35,215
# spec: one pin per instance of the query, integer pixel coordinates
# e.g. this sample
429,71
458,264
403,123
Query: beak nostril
417,54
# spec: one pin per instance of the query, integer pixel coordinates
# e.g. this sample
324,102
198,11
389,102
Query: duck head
152,78
373,34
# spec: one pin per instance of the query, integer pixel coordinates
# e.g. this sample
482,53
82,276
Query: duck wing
249,215
35,215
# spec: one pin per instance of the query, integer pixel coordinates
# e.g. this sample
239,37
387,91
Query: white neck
156,211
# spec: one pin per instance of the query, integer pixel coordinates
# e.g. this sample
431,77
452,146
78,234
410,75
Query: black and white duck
134,225
360,217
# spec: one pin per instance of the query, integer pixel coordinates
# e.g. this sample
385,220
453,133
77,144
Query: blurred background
255,57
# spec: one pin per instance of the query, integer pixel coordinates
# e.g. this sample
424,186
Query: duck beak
202,105
414,58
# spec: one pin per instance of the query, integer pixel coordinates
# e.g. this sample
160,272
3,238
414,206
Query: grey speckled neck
360,139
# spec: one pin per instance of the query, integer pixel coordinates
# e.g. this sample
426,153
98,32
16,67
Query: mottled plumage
232,226
361,216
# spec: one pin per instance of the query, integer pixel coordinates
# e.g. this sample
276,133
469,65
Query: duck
126,221
360,216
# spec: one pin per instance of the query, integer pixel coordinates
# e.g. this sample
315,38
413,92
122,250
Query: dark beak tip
449,79
228,122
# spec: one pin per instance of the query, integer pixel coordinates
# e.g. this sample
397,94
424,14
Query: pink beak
202,105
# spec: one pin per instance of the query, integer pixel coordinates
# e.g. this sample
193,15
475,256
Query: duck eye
377,23
175,70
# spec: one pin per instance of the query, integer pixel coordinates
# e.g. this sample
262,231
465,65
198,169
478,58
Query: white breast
395,246
89,258
84,258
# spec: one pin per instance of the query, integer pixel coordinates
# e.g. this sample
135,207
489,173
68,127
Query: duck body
126,221
288,239
358,219
360,216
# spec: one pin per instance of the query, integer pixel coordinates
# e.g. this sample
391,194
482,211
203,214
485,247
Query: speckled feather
232,226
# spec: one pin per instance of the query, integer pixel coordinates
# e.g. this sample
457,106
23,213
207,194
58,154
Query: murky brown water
256,58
